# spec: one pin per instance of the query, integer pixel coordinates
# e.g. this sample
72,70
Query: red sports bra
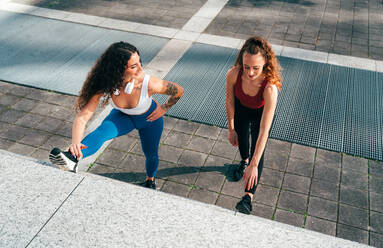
252,102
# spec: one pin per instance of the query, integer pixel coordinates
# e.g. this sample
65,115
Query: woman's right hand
233,138
75,149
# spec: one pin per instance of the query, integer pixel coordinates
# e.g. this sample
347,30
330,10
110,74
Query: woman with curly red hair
252,86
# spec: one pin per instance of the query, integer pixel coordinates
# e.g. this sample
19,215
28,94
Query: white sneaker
64,160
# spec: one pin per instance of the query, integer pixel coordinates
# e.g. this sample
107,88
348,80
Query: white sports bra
143,104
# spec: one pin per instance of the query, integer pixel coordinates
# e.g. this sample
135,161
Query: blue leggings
118,123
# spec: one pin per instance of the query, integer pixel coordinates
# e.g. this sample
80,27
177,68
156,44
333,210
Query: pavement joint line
335,59
55,212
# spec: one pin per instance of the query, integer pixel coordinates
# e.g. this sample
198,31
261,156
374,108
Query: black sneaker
238,173
244,205
64,160
149,184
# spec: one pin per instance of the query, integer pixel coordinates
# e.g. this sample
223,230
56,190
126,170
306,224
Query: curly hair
107,74
271,69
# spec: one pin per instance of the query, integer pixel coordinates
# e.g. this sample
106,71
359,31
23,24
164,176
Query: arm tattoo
171,89
170,102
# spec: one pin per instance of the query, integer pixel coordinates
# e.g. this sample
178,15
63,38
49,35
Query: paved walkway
328,192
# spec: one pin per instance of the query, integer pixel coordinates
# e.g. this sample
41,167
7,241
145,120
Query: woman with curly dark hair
117,76
252,86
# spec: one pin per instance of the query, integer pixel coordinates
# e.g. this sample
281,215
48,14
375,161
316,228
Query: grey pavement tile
25,104
307,46
352,233
131,163
227,202
276,159
160,183
11,116
50,125
271,177
291,44
376,222
223,134
30,120
354,197
320,225
14,133
123,143
290,218
102,170
65,129
376,202
35,138
207,131
324,189
376,184
376,168
62,113
165,169
164,134
177,139
44,108
111,157
323,209
201,144
292,201
235,189
169,153
60,99
175,188
5,144
137,148
266,195
216,164
328,158
19,90
224,149
9,100
326,173
41,154
5,87
376,239
192,158
355,163
37,94
186,126
300,167
262,211
169,122
353,216
210,181
203,195
304,153
184,175
57,141
21,149
296,183
355,180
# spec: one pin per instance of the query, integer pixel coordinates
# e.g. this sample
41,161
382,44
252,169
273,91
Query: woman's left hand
157,113
250,176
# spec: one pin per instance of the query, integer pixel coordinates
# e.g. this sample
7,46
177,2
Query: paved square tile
224,149
177,139
201,144
187,127
320,225
235,189
376,184
227,202
352,233
376,202
210,181
175,188
300,167
376,169
207,131
325,189
184,175
355,180
376,220
352,216
123,143
304,153
266,195
296,183
323,209
203,195
376,239
263,211
169,153
271,177
292,201
354,197
111,158
355,163
290,218
192,158
326,173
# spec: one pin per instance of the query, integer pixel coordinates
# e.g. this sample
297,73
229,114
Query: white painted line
50,13
353,62
277,49
84,19
379,66
211,8
17,8
186,35
315,56
197,24
119,25
219,40
169,55
156,30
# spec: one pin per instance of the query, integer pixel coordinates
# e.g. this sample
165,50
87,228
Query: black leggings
243,118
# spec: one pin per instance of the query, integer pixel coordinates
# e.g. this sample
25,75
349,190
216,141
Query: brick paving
324,191
342,27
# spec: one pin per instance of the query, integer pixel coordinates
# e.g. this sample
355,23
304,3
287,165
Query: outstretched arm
159,86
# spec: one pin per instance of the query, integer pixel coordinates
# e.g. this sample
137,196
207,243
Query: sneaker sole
242,209
56,159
